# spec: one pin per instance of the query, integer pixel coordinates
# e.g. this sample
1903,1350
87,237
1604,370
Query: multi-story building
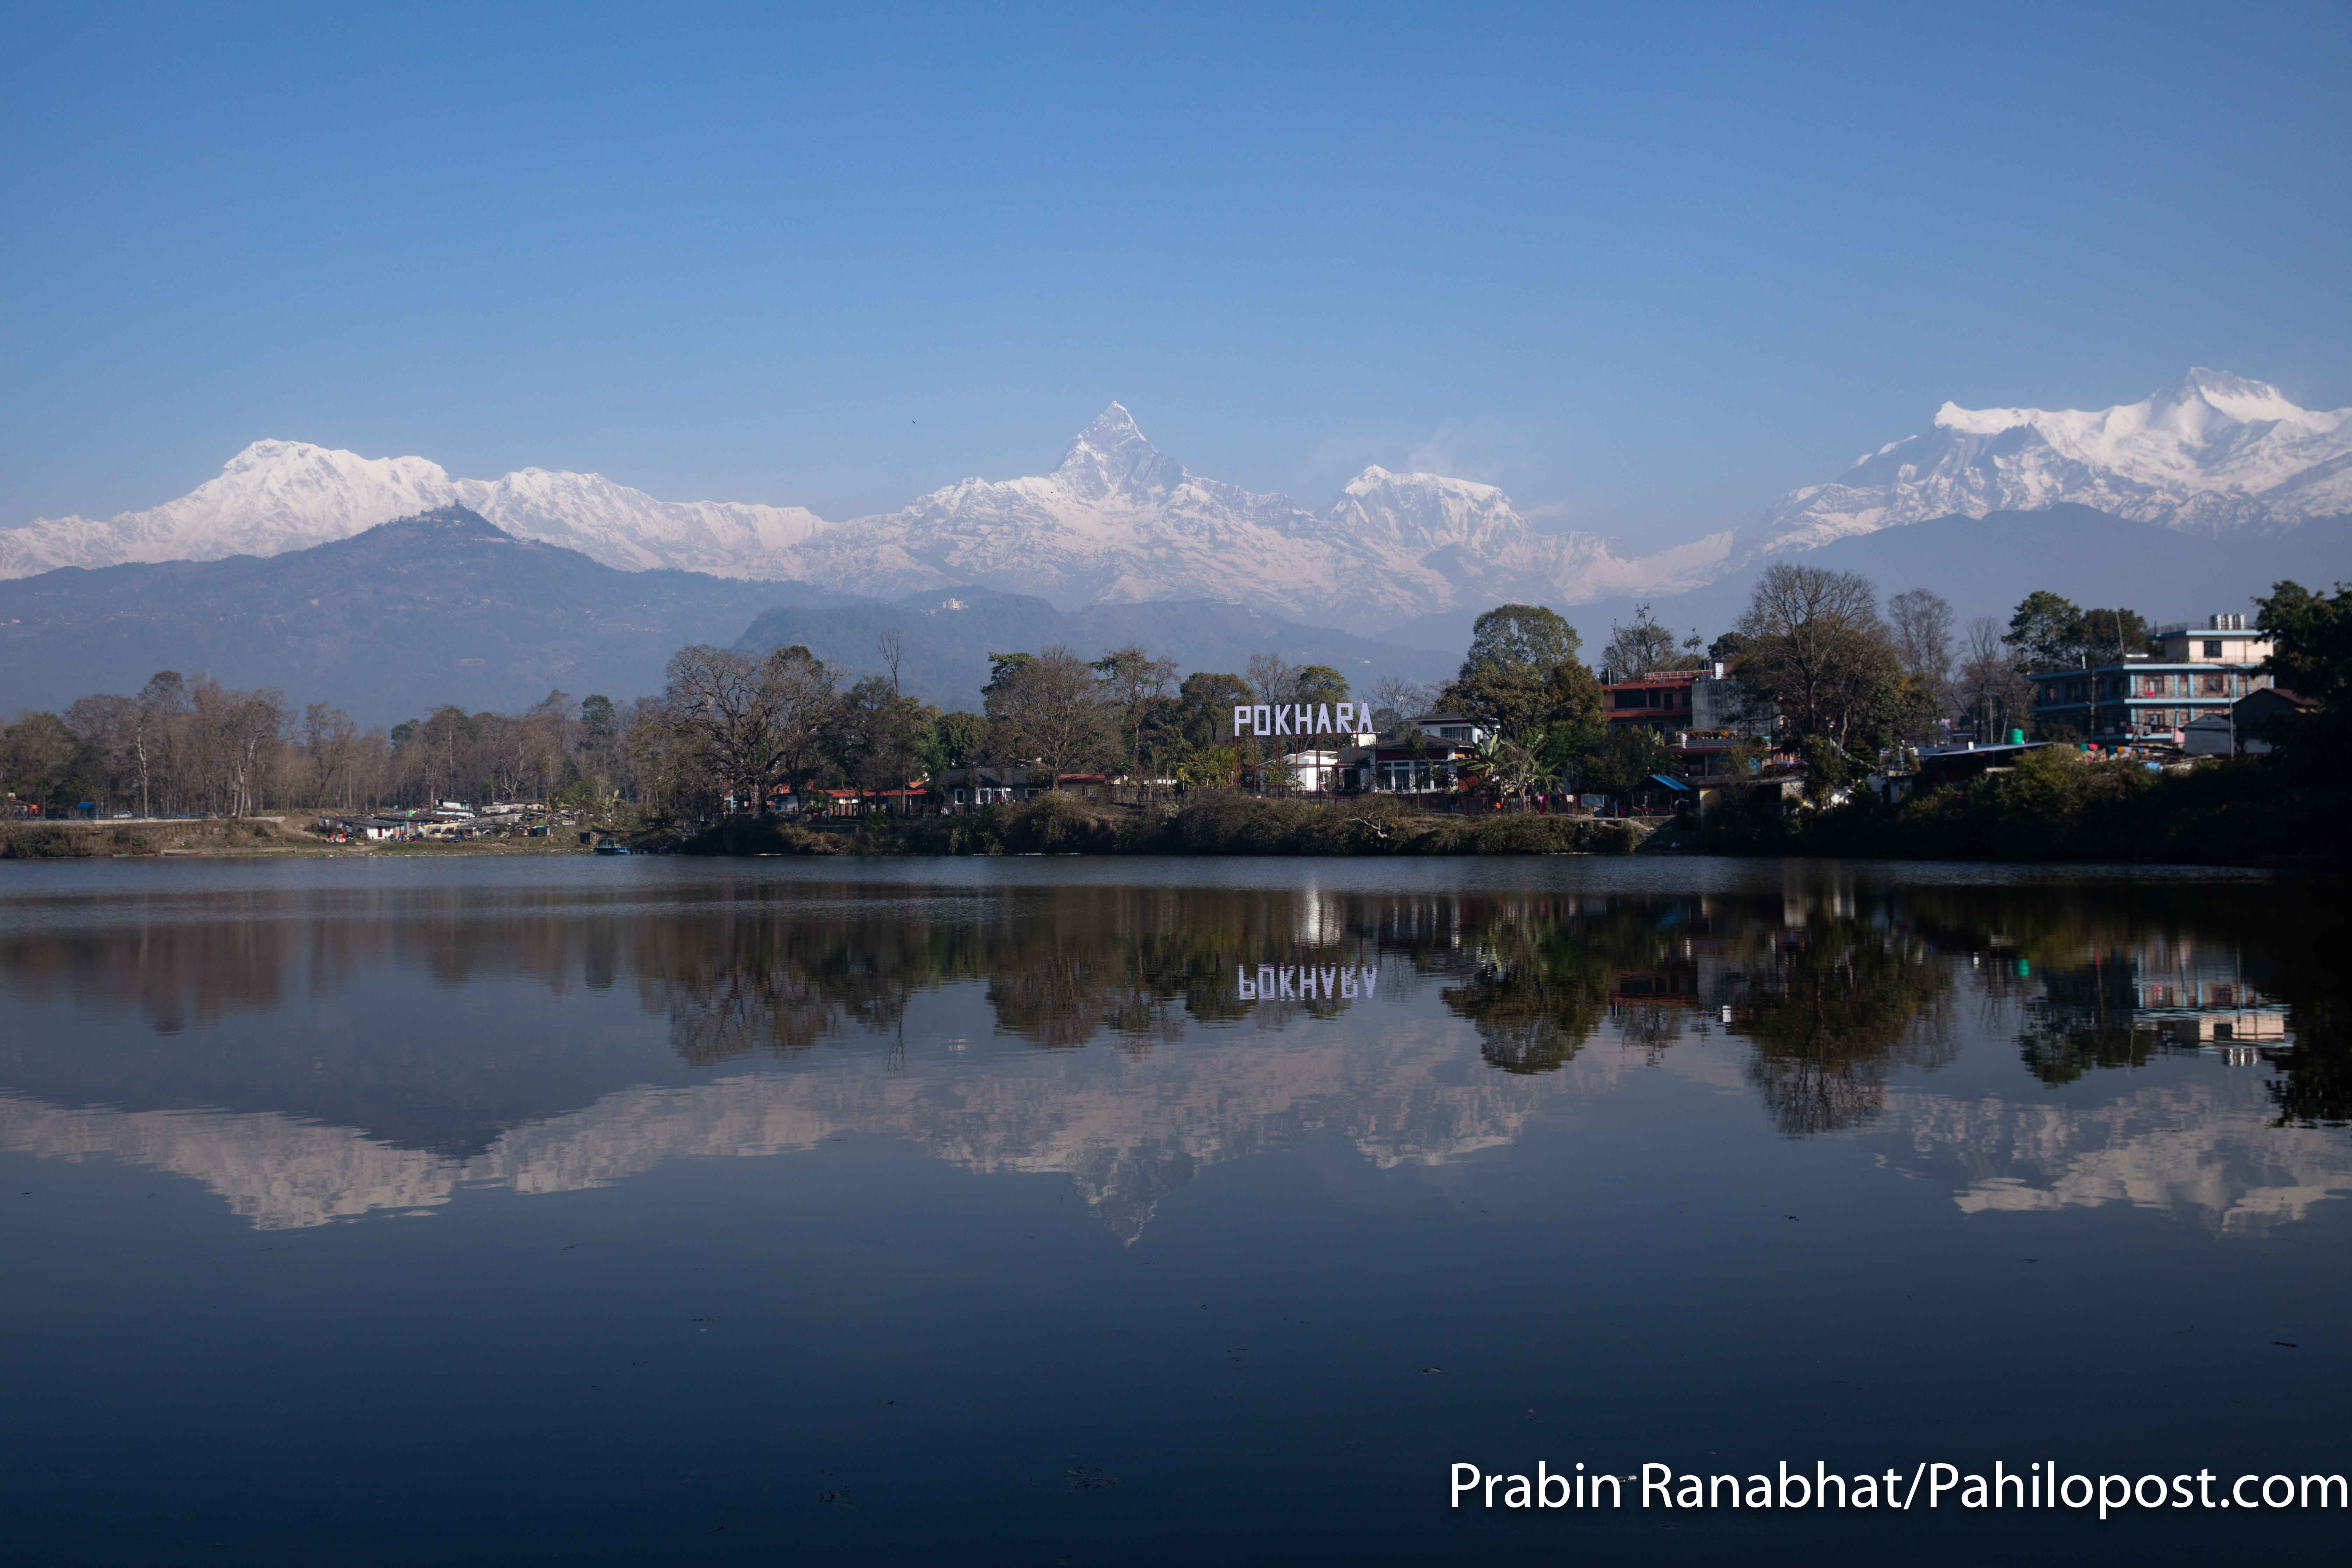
2142,697
1660,700
1706,702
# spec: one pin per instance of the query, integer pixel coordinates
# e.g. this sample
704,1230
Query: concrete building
2199,673
1660,700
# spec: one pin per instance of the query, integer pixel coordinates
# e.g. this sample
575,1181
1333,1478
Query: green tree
877,737
2312,657
38,761
1209,699
1319,683
2110,634
960,739
1130,680
1625,760
1002,667
2046,631
1509,677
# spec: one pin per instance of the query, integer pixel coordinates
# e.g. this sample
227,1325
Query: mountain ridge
1118,521
2216,454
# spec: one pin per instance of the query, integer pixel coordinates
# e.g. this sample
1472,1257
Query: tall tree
1319,683
2046,632
1396,701
163,718
1048,710
1643,646
1814,646
960,739
2311,657
2111,635
1506,679
1209,698
1130,678
37,754
1921,624
1990,691
733,706
1272,677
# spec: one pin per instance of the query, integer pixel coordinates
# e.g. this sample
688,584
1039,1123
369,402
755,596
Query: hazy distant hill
948,636
440,607
1984,565
444,607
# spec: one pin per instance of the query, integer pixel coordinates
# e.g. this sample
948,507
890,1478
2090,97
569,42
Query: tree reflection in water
1838,1008
1834,985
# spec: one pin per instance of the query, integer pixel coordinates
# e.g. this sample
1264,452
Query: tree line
1841,677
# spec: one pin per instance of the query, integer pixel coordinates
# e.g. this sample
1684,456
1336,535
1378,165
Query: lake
1042,1211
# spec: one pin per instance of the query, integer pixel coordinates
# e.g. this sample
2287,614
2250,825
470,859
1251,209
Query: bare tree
891,645
162,714
1644,645
1991,690
1921,624
1812,643
1272,677
1049,710
1396,701
733,707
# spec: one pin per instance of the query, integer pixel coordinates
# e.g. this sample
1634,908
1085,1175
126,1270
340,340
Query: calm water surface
1065,1211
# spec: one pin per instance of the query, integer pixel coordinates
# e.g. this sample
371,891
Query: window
2213,685
2212,650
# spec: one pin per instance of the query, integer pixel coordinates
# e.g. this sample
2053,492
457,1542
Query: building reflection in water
1143,1047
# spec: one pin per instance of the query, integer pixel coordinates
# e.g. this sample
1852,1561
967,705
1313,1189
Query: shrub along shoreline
2054,806
1213,824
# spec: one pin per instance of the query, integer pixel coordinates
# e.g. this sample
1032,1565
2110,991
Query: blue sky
1646,267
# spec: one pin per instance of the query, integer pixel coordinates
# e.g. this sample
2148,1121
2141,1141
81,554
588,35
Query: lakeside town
1819,701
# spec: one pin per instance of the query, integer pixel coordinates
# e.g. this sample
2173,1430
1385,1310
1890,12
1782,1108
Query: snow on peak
1978,421
276,496
1111,456
2248,401
2216,454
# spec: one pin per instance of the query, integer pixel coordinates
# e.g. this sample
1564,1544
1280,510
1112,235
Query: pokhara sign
1302,719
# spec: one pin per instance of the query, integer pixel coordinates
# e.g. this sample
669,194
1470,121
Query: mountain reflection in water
313,1055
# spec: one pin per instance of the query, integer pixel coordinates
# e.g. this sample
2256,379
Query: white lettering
1241,722
1248,992
1347,983
1330,976
1344,716
1265,980
1259,720
1282,719
1460,1485
1323,719
1303,720
1288,993
1371,978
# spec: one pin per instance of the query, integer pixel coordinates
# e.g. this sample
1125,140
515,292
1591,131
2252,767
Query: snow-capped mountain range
276,496
2217,454
1118,520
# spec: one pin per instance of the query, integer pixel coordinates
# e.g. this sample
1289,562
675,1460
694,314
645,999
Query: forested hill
946,638
440,607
